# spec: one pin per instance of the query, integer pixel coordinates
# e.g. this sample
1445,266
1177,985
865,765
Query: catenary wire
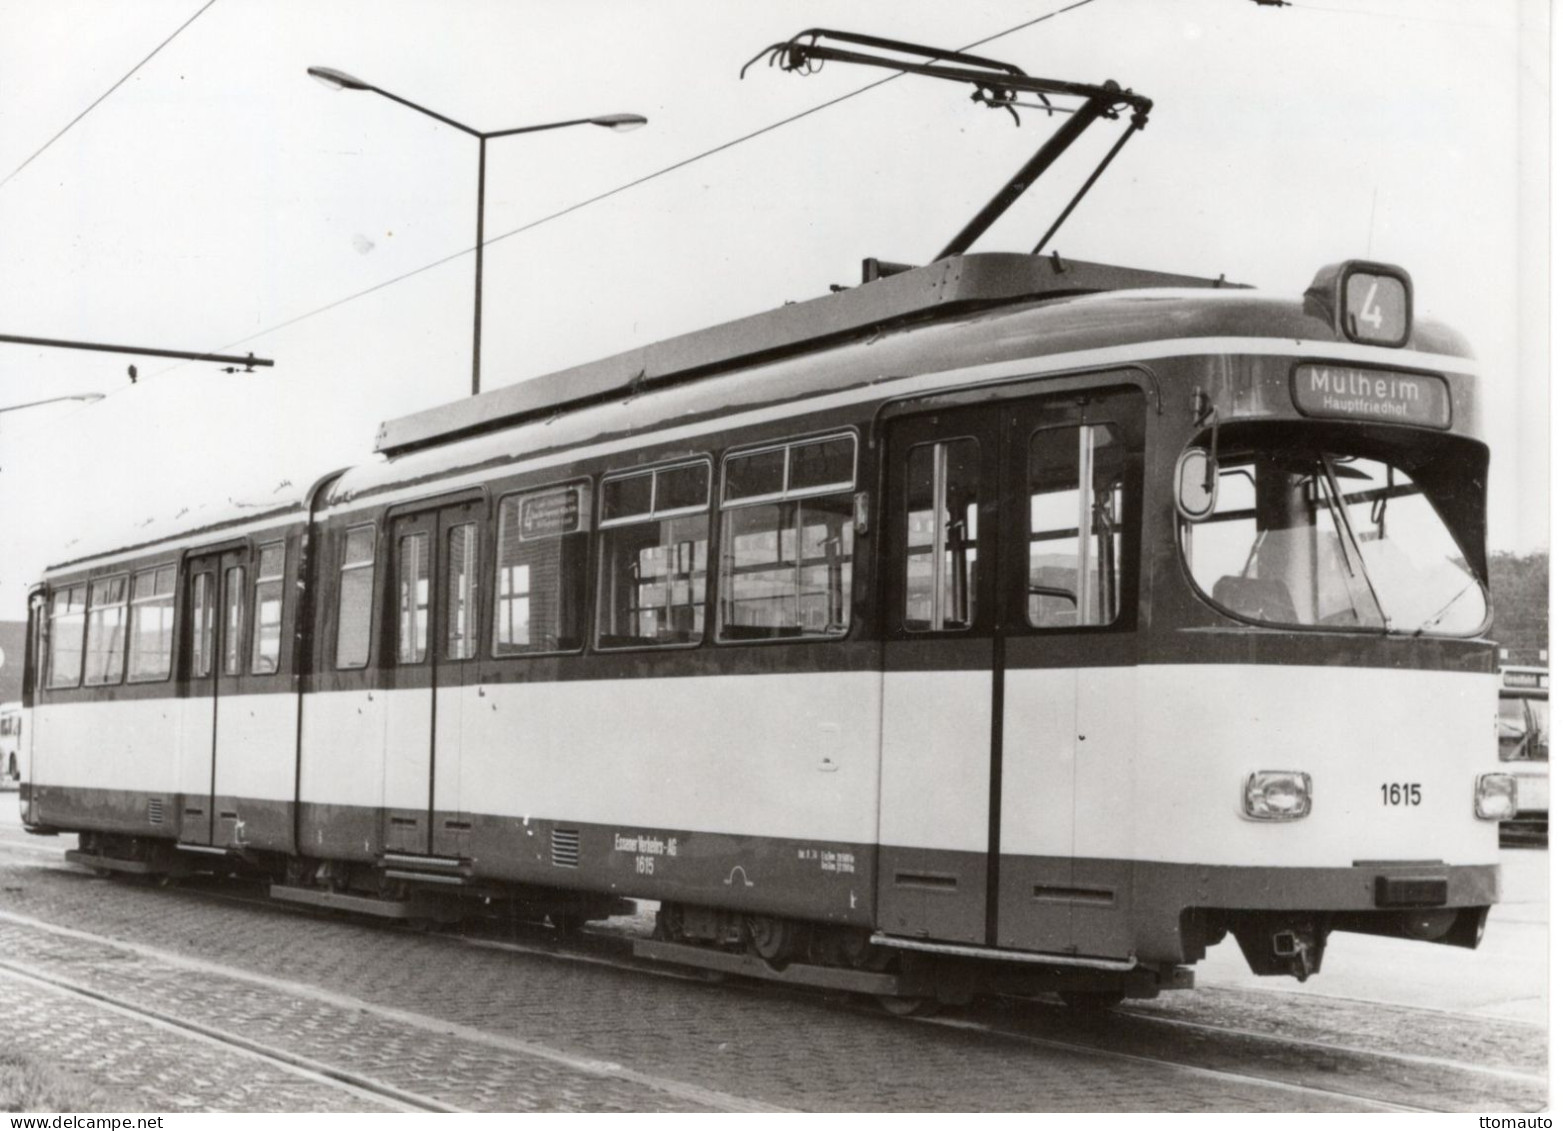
123,79
684,163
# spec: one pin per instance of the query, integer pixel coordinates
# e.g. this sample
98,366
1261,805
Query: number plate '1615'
1401,793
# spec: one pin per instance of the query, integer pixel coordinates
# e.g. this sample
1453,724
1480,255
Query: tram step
166,867
750,966
416,907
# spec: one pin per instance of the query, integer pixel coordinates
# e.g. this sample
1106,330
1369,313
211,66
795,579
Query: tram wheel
1091,1001
670,923
775,940
908,1006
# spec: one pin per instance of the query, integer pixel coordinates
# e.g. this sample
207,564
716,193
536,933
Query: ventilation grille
567,848
154,811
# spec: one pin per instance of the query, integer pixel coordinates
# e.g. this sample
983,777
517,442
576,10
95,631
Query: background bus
10,744
1524,730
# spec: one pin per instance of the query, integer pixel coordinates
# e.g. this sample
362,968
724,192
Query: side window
942,496
106,631
786,568
354,594
461,565
202,624
267,652
152,624
67,620
412,599
233,620
1076,482
540,573
655,531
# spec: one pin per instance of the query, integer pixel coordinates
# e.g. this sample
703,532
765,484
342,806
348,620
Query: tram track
609,949
692,1094
1407,1059
1229,1077
568,950
357,1084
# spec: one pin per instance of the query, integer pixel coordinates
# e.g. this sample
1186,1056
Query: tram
1068,620
1007,624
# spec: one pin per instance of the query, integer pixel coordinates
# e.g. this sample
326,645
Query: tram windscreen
1326,537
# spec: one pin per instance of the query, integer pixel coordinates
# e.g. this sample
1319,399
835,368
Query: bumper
1373,896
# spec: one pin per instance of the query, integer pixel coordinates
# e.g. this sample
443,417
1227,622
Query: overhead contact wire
623,188
543,220
123,79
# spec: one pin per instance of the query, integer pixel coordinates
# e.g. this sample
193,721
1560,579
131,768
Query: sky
219,200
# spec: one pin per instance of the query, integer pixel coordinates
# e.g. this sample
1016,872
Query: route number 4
1370,312
1376,307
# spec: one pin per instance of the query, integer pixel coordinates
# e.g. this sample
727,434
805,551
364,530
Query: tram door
1002,586
212,659
435,558
939,684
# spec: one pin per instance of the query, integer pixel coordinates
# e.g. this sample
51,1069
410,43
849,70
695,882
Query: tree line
1519,599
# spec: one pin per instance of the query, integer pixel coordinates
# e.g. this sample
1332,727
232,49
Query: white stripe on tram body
757,755
1165,751
110,745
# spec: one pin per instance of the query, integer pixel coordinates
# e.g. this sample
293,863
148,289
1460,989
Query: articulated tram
1005,624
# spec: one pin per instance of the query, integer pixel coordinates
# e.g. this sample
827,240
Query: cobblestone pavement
499,1030
142,1066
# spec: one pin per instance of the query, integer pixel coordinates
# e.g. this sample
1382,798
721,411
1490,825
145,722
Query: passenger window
541,571
106,631
1076,540
233,620
202,625
787,541
354,595
268,610
655,534
67,620
412,604
942,485
461,562
152,624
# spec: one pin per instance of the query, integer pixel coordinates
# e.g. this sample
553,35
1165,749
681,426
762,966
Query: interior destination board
551,515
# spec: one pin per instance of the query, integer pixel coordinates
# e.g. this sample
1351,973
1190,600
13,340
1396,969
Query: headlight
1497,797
1277,795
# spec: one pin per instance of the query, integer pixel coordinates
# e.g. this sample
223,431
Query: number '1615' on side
1401,793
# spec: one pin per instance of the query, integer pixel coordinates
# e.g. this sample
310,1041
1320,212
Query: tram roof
211,522
943,289
1026,327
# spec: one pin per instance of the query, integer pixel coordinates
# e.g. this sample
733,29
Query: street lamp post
619,123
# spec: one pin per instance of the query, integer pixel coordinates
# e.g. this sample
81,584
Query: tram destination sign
551,514
1371,394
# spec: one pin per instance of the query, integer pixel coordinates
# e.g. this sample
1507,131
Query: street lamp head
337,80
619,123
